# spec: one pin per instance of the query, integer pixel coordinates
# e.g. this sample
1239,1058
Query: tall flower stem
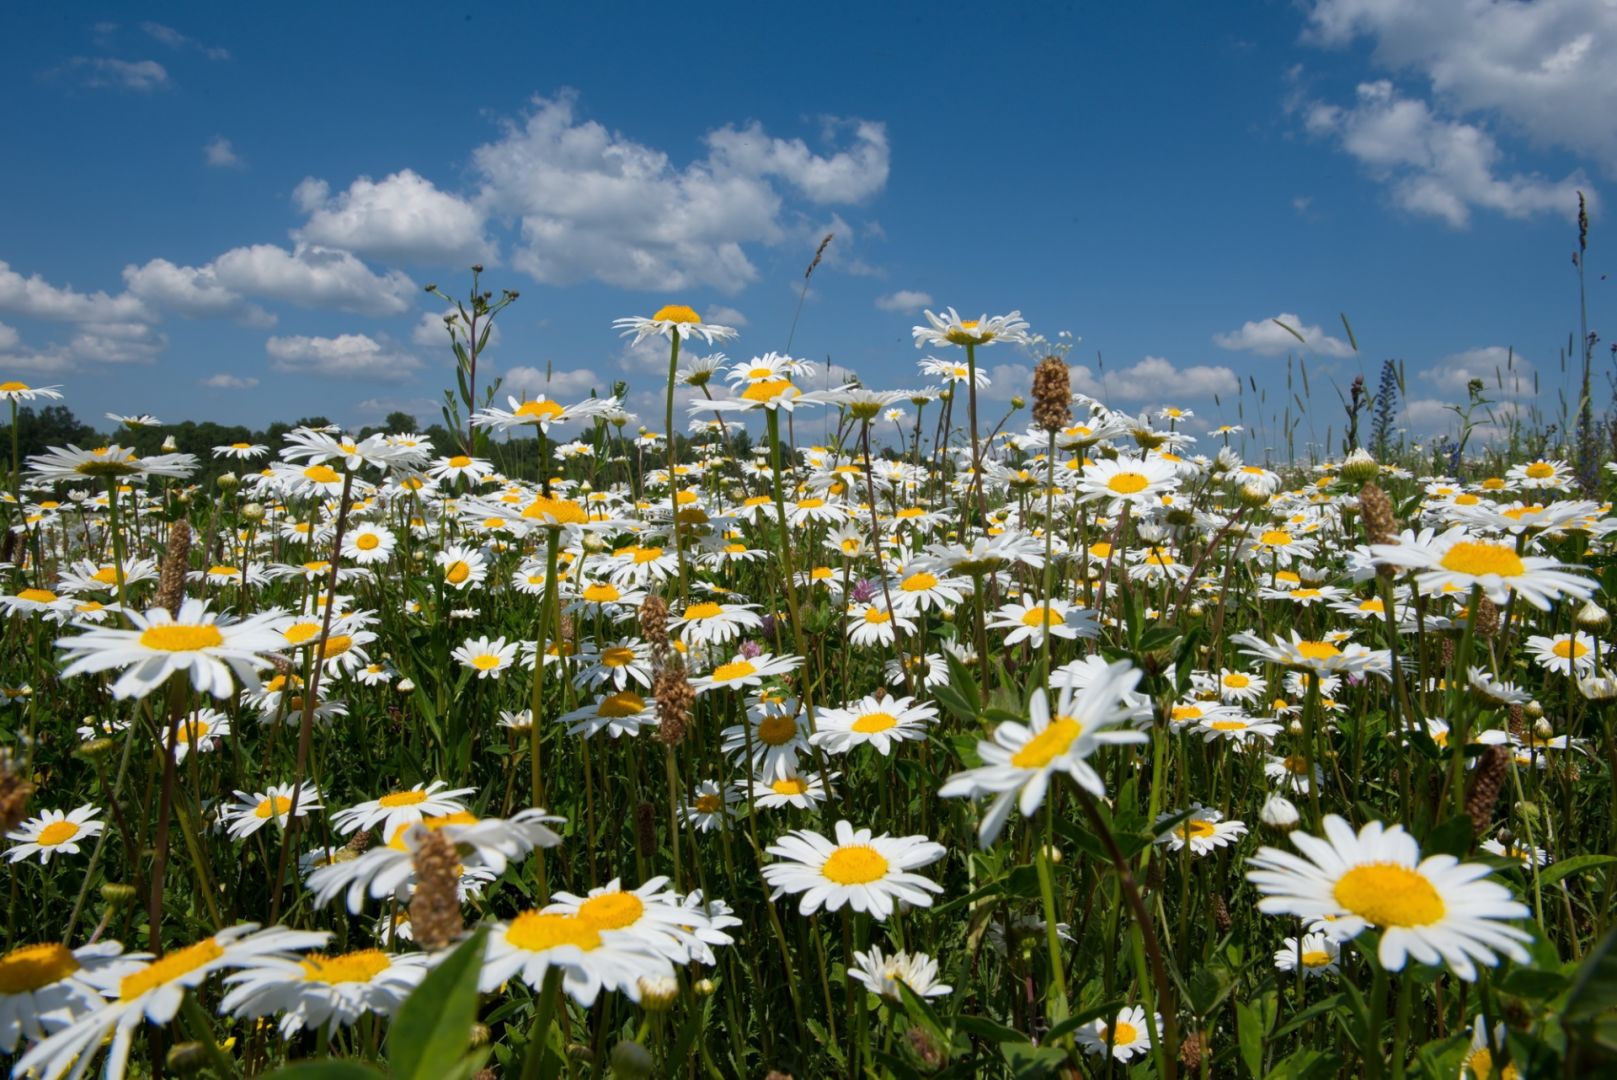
673,458
786,563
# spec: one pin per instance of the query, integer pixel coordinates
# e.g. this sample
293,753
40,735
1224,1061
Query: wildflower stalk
673,458
1052,935
786,561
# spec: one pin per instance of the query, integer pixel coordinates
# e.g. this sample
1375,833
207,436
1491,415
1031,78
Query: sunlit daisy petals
868,872
210,648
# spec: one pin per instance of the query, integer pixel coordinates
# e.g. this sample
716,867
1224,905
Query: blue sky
217,214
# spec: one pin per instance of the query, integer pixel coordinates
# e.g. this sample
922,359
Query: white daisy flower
404,807
877,722
207,645
321,992
866,871
54,832
1315,955
741,672
653,914
618,714
1123,1038
252,811
882,974
486,656
1458,560
1205,830
672,320
45,987
1030,619
709,807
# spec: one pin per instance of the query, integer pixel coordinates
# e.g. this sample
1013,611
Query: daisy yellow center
336,645
34,966
873,722
459,461
1124,1034
275,806
12,386
855,864
1236,681
107,575
1569,649
611,911
1314,958
617,656
354,967
1128,483
676,313
38,596
533,932
709,804
1387,894
322,474
1317,650
777,730
562,511
918,582
540,410
769,390
485,661
181,637
911,512
704,610
1478,559
1540,470
402,798
737,669
190,731
1101,550
1196,830
1048,744
298,633
601,593
647,554
174,965
1040,616
367,541
1228,725
1275,538
457,572
877,616
789,786
1182,713
57,832
617,706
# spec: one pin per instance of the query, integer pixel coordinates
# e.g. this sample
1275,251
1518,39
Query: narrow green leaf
1575,865
429,1035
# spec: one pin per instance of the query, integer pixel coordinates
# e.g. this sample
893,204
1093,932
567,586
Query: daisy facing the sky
868,872
209,646
54,833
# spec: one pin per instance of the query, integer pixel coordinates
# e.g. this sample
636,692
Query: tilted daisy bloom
1291,773
1522,853
920,589
463,567
12,390
321,992
93,575
800,791
621,713
1127,1034
930,669
1483,1057
877,722
1437,910
1320,657
540,411
774,733
398,808
460,466
882,975
202,730
742,672
860,869
154,992
54,832
672,320
1204,830
241,451
486,656
1030,619
1541,475
45,987
706,622
951,371
653,914
873,624
252,811
950,329
105,462
207,645
1458,560
590,959
1136,482
368,543
1020,760
1315,955
625,661
1564,654
709,807
1238,727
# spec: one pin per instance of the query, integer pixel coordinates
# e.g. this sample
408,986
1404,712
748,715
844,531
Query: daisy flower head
618,714
1564,654
45,987
860,869
950,329
1541,475
709,807
1319,657
1437,910
653,915
13,390
241,451
951,372
463,567
209,646
202,730
320,992
487,656
874,623
882,975
872,721
1204,831
1123,1038
1031,619
708,622
1457,559
541,412
1019,761
403,807
253,810
1315,955
368,543
154,991
670,321
590,959
54,832
742,672
1124,481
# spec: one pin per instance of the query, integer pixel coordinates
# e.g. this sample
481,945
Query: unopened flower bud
1533,709
169,445
1252,494
1591,616
117,895
228,482
1542,729
704,988
95,748
1359,467
631,1060
1018,402
405,686
253,511
1279,813
658,992
186,1058
1295,729
1052,854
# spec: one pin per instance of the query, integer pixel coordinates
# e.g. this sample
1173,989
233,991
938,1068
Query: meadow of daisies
850,732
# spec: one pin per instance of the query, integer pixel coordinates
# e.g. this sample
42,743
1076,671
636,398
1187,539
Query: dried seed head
435,908
14,794
927,1047
1191,1051
1380,526
171,584
1486,624
1221,913
675,699
1483,791
654,623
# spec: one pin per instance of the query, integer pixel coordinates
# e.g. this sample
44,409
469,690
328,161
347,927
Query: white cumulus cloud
226,381
911,300
312,276
1504,373
846,176
346,356
38,298
1266,337
218,153
194,292
564,386
403,217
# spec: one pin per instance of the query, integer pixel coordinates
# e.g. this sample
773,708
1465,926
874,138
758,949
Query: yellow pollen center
676,313
275,805
855,864
876,721
299,633
1128,483
736,669
918,582
533,932
402,798
619,705
1040,616
1048,744
12,386
457,572
770,390
1228,725
336,645
789,786
180,637
107,575
38,596
617,656
367,541
1275,538
647,554
601,594
57,832
34,966
323,474
1314,958
485,662
1125,1034
611,911
1540,470
161,972
877,617
1196,830
709,804
361,966
1317,650
705,610
1387,894
777,730
540,410
1569,649
1236,681
1479,559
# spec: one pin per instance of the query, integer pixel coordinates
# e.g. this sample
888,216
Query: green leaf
989,1030
1027,1060
1575,865
1594,983
428,1038
1533,984
1453,837
1079,1019
1206,989
325,1070
1250,1029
